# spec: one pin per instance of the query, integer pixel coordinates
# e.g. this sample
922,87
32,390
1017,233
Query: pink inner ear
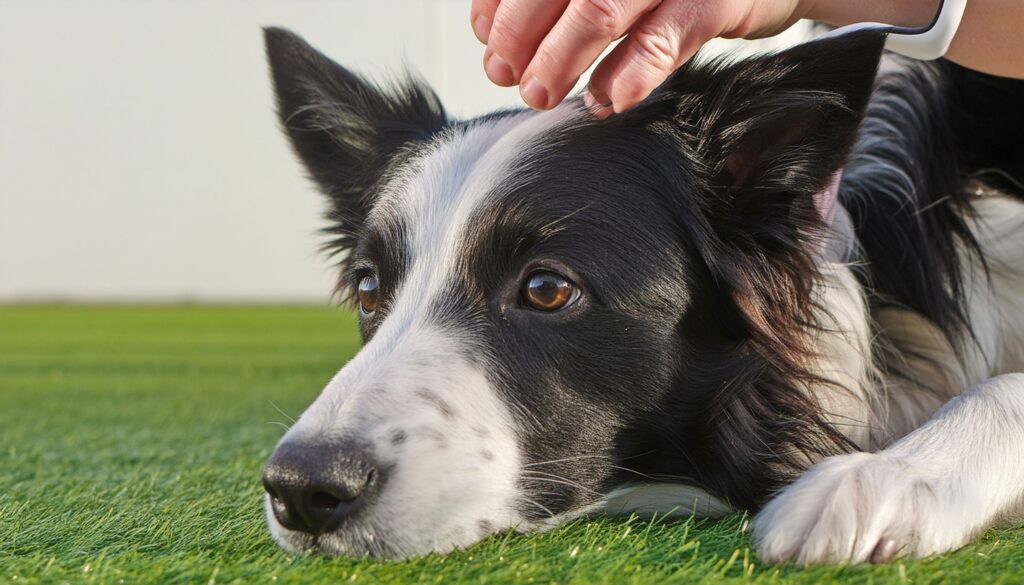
827,199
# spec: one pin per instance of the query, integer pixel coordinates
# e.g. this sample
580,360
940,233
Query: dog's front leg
930,492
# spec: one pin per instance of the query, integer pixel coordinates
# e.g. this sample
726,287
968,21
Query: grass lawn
131,443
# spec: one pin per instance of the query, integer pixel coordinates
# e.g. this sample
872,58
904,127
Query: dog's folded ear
345,130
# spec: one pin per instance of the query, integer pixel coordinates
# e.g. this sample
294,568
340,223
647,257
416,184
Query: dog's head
559,311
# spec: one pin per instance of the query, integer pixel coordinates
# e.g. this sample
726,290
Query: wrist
895,12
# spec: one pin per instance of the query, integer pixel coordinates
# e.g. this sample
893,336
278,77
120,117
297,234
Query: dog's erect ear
768,134
771,133
783,122
344,129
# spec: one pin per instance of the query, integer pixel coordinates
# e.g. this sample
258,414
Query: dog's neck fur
843,340
891,369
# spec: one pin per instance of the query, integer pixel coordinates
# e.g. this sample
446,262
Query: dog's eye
368,293
548,291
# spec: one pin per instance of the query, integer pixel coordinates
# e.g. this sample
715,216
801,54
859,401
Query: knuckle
601,16
655,51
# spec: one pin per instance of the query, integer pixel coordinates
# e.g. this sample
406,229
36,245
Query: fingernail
620,107
499,71
534,93
482,28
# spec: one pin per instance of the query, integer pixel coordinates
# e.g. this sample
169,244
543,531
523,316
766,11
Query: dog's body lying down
662,312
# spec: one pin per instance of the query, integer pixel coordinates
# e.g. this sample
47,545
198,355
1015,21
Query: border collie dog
680,309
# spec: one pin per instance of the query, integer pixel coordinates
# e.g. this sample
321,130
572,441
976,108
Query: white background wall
140,160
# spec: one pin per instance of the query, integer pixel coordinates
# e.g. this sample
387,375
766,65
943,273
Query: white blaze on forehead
435,198
437,195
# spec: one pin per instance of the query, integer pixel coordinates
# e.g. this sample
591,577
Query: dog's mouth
351,538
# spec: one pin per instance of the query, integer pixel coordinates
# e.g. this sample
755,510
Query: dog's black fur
934,128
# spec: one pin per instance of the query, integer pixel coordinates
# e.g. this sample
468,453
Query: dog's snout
314,486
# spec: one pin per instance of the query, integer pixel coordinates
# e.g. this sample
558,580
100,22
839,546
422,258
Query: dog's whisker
584,456
557,479
655,477
564,459
539,505
283,413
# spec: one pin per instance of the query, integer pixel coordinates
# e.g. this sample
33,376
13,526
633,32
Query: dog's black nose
314,486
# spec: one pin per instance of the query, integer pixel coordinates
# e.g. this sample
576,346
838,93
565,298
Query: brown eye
548,291
368,293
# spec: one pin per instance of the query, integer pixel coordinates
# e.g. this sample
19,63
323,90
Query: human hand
545,45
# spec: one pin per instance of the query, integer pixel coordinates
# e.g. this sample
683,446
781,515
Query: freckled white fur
953,470
452,474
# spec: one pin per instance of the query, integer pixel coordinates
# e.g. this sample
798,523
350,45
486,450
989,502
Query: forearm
989,38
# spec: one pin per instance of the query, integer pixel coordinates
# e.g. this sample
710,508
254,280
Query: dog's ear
766,136
780,123
345,130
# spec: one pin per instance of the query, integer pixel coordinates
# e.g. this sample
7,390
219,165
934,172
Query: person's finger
518,28
657,46
585,29
597,108
481,15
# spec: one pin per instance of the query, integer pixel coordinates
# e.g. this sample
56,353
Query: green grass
131,443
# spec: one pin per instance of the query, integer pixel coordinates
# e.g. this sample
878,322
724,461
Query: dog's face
557,310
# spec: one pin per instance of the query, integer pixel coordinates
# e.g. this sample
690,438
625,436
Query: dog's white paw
858,508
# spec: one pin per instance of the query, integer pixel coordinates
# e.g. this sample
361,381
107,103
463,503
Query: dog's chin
359,539
335,545
350,541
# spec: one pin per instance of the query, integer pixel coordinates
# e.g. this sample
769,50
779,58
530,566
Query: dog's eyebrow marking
398,437
437,193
